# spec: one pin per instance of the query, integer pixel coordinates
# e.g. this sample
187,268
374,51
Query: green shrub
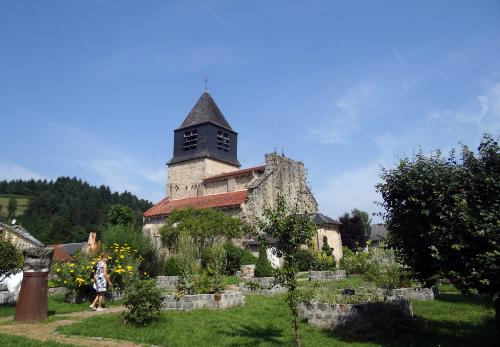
173,266
326,247
355,263
248,259
263,267
11,260
152,263
305,260
234,254
324,262
143,301
385,272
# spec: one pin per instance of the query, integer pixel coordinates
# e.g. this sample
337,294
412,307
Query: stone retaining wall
169,283
7,297
57,290
327,275
264,285
331,316
423,294
190,302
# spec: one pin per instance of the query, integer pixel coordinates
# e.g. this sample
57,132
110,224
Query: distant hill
65,210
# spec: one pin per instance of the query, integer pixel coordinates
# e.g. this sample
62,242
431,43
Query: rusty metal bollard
32,302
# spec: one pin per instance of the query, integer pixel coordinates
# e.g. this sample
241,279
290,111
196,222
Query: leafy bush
216,266
324,262
263,267
248,259
326,247
11,260
385,272
306,260
129,234
234,254
143,301
173,266
355,263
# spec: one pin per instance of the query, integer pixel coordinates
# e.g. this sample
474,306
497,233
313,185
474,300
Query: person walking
101,280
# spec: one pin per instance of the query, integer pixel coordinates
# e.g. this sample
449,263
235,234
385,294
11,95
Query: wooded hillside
67,209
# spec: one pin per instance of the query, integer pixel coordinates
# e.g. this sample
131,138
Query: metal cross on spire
206,83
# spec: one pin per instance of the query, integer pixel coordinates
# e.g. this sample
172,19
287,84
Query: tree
354,229
205,226
11,260
442,216
263,267
120,214
11,208
291,229
326,247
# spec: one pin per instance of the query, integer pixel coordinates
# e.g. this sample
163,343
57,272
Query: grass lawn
57,305
22,203
452,320
10,340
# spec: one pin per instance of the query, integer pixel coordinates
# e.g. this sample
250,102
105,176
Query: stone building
18,236
205,172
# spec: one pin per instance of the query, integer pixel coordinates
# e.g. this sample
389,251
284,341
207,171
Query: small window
190,139
223,141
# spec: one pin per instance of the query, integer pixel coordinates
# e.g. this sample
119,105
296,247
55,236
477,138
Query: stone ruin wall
281,175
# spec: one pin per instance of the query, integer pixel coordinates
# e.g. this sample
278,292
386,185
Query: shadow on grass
255,334
466,299
425,332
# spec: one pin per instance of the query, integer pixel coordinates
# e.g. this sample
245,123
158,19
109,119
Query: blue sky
93,89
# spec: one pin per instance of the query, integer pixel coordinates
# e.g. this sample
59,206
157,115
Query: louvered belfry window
190,140
223,141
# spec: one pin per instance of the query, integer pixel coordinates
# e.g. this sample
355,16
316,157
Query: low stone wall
57,290
263,285
327,275
190,302
331,316
169,283
423,294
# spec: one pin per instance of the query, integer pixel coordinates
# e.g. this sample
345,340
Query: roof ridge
235,173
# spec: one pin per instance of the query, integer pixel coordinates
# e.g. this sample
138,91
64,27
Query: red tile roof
236,173
166,206
60,254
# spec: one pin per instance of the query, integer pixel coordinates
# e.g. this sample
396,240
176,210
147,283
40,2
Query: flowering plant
78,276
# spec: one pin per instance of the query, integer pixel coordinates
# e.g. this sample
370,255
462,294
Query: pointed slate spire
205,110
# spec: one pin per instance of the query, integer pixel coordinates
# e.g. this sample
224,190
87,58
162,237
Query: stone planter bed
332,316
57,290
169,283
190,302
423,294
264,286
327,275
7,297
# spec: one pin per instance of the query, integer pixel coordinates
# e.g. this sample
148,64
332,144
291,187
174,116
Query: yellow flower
58,270
121,257
109,257
129,267
65,282
71,265
71,271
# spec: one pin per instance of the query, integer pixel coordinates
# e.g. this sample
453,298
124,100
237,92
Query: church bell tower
204,145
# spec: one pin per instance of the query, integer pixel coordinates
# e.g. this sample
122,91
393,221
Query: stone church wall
281,175
185,178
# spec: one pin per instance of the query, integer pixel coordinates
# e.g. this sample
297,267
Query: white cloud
112,167
16,172
347,113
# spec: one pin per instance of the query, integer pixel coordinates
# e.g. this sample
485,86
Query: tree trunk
496,303
297,334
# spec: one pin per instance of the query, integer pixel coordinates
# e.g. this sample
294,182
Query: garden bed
261,285
214,301
332,316
422,294
327,275
169,283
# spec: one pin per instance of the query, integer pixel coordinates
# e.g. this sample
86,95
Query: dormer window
223,141
190,140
